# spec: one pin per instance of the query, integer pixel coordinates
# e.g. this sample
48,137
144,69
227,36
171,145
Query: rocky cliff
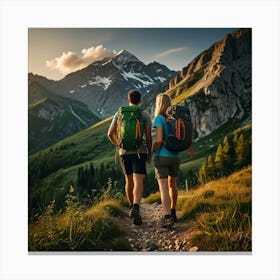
216,85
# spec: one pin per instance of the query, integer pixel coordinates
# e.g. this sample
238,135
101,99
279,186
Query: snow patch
106,62
83,86
136,76
161,79
71,91
101,81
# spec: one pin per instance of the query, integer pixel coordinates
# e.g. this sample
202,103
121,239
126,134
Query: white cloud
69,61
169,52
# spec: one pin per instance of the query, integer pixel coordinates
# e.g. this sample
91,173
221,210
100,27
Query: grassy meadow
219,212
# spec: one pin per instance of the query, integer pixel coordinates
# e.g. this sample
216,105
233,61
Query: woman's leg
173,191
164,194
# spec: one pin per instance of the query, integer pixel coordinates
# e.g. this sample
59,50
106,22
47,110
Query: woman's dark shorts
133,164
166,166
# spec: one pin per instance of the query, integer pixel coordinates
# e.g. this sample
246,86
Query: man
133,161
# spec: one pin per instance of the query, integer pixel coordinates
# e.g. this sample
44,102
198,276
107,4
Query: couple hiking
133,157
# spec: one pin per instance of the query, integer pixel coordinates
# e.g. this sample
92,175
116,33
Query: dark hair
134,96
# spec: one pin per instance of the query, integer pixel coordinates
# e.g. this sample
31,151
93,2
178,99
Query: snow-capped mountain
61,108
103,85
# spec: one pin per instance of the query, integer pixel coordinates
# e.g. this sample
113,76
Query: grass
221,212
152,198
79,228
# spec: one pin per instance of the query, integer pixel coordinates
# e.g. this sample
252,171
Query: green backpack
129,127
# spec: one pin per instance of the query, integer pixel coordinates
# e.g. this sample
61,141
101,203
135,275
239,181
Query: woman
166,162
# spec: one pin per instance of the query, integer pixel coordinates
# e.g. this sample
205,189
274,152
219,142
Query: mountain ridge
216,85
104,84
52,118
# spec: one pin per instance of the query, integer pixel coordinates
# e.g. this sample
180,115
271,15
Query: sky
56,52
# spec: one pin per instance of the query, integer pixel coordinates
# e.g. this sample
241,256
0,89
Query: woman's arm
159,138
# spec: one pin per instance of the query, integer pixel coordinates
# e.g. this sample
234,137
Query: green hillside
52,170
52,117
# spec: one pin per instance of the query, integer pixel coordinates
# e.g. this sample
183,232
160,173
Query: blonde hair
163,101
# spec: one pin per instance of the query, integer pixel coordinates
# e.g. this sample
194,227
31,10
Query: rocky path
150,237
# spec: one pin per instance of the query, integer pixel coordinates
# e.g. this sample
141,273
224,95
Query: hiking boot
166,221
130,213
173,215
135,214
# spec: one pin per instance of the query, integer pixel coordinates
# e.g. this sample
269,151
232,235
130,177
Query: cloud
69,61
169,52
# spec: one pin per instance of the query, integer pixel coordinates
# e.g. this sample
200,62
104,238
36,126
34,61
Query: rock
153,247
161,230
178,247
145,245
193,249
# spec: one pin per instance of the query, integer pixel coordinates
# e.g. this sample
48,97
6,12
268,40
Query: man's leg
129,187
137,195
139,171
138,180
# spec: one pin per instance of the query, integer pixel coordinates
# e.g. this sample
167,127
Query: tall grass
221,212
78,228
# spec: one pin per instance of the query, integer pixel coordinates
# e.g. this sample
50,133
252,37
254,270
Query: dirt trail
150,237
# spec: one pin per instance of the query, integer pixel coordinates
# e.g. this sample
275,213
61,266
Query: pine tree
249,151
202,173
235,138
229,154
80,183
210,168
240,151
91,175
219,160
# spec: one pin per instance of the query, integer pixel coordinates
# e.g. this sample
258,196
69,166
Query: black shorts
133,164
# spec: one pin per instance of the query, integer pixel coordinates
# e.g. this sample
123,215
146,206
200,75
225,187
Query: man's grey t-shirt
146,121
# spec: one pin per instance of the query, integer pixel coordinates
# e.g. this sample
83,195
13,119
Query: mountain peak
124,56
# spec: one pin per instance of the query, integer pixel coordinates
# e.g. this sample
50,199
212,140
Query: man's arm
149,141
112,135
